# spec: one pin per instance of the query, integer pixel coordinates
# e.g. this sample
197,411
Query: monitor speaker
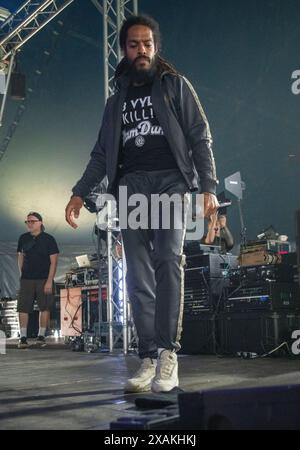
256,408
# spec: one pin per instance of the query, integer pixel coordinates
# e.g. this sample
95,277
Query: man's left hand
48,288
211,204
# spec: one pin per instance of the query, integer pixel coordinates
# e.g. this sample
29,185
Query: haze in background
239,55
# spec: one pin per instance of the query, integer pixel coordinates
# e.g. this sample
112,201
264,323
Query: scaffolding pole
120,324
114,13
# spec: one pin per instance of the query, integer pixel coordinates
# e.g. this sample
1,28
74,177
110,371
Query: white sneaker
141,380
166,377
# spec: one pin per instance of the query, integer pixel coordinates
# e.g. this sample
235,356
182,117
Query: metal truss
114,12
19,27
116,295
120,328
28,20
120,325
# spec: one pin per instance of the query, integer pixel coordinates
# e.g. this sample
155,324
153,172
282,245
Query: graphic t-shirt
143,143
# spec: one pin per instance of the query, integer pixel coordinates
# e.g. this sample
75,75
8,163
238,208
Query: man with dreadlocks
154,139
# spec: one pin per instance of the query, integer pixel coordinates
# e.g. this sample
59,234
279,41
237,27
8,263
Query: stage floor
55,388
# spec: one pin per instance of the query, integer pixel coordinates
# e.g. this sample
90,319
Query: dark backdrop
239,55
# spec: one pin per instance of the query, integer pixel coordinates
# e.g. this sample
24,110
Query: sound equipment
198,334
81,311
265,287
205,279
259,257
9,319
271,245
197,296
71,313
257,275
255,331
268,296
264,408
216,264
263,252
87,276
206,275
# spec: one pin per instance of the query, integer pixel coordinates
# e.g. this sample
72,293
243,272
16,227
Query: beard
142,76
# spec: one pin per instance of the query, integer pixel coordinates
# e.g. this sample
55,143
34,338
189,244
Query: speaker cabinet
260,408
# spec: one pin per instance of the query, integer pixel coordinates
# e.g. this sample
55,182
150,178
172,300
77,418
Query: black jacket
185,126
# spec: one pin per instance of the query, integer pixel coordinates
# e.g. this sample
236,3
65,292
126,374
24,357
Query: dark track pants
154,258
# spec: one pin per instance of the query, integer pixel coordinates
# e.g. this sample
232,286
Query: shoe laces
147,363
166,365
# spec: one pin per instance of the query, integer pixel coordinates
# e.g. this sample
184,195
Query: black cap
35,214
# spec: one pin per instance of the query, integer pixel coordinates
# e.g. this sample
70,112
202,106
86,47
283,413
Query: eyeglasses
30,221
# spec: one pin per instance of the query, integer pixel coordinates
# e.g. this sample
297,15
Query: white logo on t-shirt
139,141
143,117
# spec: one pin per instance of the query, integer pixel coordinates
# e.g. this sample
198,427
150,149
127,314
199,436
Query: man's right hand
73,210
